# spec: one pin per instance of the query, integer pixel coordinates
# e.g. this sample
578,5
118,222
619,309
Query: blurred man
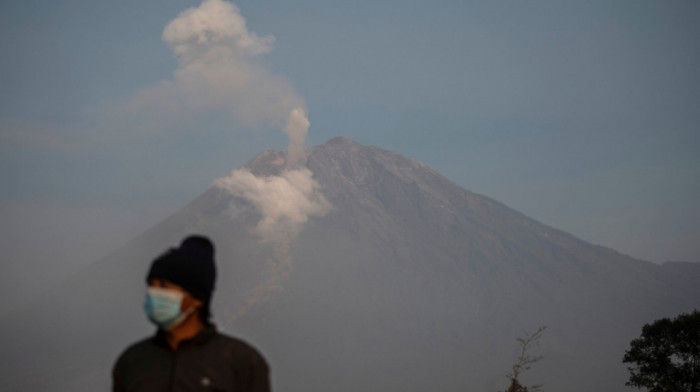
187,353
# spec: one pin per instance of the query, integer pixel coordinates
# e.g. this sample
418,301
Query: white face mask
162,307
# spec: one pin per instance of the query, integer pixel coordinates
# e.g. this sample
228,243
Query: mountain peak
272,162
267,163
342,141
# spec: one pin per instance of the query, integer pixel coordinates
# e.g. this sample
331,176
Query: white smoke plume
296,129
218,68
286,202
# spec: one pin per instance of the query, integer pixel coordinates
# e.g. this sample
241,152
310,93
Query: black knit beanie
190,266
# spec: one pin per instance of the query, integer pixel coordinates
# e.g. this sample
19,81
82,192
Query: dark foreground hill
409,283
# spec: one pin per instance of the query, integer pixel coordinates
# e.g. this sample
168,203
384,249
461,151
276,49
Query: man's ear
189,301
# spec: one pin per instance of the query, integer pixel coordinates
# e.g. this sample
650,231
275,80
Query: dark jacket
208,362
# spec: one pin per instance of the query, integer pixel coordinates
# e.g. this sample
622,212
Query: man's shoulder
237,347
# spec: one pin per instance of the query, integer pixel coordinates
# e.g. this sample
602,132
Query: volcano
408,283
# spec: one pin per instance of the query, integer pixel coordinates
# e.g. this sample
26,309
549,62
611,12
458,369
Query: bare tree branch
525,361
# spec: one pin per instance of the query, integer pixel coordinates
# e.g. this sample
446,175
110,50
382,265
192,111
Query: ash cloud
296,129
218,68
286,202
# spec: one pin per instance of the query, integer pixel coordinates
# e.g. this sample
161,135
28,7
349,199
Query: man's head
190,269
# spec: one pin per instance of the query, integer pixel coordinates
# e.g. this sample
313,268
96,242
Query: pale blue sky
583,115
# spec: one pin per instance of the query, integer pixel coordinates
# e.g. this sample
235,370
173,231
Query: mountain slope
409,283
424,261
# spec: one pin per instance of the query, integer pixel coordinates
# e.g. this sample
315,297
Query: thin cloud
13,135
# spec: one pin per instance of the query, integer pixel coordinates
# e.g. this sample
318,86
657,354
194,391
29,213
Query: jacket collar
200,338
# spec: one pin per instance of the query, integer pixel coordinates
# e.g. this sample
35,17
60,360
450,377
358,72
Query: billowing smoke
286,202
218,68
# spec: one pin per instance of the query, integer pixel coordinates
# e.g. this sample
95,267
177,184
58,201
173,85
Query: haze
582,116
